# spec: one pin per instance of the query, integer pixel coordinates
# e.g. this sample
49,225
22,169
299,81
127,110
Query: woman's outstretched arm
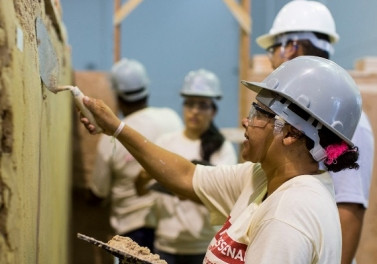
170,169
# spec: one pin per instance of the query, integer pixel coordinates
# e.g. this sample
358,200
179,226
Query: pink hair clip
334,151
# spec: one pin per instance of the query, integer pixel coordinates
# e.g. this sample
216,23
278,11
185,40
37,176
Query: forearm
351,219
141,183
170,169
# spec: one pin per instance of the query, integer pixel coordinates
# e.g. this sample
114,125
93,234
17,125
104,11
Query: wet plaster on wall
6,129
25,11
35,127
5,148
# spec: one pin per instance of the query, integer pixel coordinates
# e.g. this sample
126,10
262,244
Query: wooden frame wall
240,11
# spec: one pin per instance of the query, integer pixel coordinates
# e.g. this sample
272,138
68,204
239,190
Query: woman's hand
104,116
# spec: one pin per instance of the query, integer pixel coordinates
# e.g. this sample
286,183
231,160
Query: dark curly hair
346,160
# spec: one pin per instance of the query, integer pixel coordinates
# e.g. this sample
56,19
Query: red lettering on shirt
227,249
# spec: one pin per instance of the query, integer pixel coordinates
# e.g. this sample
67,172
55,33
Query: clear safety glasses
271,50
259,117
200,105
281,45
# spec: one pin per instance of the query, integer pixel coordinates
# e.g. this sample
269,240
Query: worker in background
115,168
183,229
278,207
307,28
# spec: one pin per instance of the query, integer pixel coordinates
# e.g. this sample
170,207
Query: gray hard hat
321,88
201,83
129,80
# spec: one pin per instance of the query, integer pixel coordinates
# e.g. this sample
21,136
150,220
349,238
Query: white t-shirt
184,226
352,186
116,170
297,223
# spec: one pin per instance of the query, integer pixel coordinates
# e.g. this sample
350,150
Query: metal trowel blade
127,258
48,62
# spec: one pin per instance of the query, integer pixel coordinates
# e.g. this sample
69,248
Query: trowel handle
78,98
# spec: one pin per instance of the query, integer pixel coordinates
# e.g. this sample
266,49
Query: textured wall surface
35,132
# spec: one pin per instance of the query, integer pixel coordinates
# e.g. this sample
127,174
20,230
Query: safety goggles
201,106
259,117
271,49
285,38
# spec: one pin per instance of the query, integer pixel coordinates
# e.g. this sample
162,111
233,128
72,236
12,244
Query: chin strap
318,152
278,125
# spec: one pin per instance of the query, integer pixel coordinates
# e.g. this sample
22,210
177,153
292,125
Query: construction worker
183,229
279,207
307,28
115,168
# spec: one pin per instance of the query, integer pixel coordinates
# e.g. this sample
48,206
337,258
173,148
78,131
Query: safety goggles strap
295,36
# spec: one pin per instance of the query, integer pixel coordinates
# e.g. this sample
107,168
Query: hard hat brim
258,86
265,41
210,96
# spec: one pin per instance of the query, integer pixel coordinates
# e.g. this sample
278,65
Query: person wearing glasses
115,168
183,229
278,206
307,28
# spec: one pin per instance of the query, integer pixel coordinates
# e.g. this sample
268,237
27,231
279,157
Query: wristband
119,129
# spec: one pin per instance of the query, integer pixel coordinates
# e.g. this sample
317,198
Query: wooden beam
117,33
244,62
125,10
240,13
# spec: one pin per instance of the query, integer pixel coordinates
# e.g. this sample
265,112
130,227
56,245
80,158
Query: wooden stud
241,14
125,10
244,65
117,34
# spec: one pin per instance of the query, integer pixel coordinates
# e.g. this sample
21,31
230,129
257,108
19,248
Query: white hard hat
301,16
201,83
129,80
323,91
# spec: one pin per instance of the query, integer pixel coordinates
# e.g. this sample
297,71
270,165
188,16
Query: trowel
49,70
48,61
123,256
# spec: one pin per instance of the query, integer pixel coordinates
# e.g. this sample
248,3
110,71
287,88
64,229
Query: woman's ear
292,135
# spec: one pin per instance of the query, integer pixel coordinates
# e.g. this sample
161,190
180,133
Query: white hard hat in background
129,80
301,16
201,83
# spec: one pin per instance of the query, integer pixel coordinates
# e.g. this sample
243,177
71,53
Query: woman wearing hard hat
279,206
183,229
115,169
308,28
300,20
